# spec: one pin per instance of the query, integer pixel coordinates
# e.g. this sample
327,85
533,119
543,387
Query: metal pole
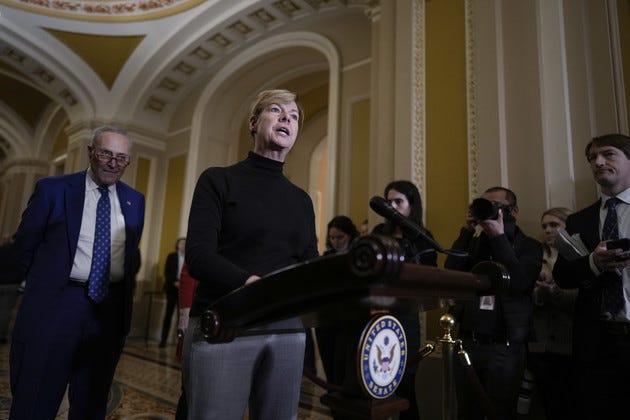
447,322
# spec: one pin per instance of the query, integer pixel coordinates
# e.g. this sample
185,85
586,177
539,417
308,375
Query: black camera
482,209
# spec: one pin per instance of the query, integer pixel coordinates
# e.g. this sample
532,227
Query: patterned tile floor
147,386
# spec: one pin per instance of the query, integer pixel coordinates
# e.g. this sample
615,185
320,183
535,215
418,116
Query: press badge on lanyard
486,303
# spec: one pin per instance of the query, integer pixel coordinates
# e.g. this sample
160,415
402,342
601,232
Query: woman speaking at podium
248,220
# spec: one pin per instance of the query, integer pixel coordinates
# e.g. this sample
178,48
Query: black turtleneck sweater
245,219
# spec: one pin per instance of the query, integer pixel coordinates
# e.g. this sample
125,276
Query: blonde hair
560,212
273,96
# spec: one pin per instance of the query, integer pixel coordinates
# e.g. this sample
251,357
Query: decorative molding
287,7
43,75
418,129
68,98
220,41
263,16
241,28
373,11
207,55
14,55
169,84
105,10
34,74
471,102
185,68
201,53
156,104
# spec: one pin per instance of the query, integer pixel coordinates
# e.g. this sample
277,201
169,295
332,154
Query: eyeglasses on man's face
106,156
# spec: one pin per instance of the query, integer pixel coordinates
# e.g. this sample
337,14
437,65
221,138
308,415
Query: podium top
331,289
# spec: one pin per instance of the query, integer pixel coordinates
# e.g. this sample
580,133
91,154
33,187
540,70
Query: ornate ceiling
105,10
128,61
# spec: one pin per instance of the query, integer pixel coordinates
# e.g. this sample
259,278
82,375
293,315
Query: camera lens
482,209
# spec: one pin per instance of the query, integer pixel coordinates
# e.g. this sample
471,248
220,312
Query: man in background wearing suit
172,272
601,328
77,245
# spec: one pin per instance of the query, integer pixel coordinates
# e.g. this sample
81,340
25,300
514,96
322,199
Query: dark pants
8,297
331,344
171,304
80,349
603,385
182,407
499,368
553,374
407,387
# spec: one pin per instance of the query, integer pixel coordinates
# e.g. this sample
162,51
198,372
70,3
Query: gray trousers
264,371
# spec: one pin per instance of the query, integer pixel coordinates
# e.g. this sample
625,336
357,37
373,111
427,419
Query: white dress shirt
83,257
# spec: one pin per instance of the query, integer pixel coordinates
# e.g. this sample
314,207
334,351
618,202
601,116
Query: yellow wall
359,160
446,133
171,211
446,121
143,171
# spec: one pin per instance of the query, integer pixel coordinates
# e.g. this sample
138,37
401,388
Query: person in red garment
187,286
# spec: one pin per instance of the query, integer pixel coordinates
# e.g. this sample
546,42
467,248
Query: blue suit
61,336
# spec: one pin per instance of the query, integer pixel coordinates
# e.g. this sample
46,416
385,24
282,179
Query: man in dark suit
494,328
77,245
601,328
172,271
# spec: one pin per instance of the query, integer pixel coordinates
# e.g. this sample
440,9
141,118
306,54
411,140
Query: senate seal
382,356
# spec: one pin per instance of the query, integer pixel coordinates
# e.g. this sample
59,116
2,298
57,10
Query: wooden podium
346,290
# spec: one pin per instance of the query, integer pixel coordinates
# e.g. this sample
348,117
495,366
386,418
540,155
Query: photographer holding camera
494,328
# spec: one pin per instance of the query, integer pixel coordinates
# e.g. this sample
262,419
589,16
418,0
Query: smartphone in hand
623,244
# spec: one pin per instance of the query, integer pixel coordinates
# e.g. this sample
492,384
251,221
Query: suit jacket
46,243
578,274
170,274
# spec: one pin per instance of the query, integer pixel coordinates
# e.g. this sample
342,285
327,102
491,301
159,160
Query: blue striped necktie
613,288
98,285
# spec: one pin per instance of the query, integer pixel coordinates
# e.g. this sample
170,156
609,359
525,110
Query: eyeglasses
105,156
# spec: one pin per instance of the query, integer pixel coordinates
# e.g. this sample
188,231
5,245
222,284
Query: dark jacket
416,250
578,274
170,273
522,257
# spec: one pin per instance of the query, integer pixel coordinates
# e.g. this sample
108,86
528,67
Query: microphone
382,207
